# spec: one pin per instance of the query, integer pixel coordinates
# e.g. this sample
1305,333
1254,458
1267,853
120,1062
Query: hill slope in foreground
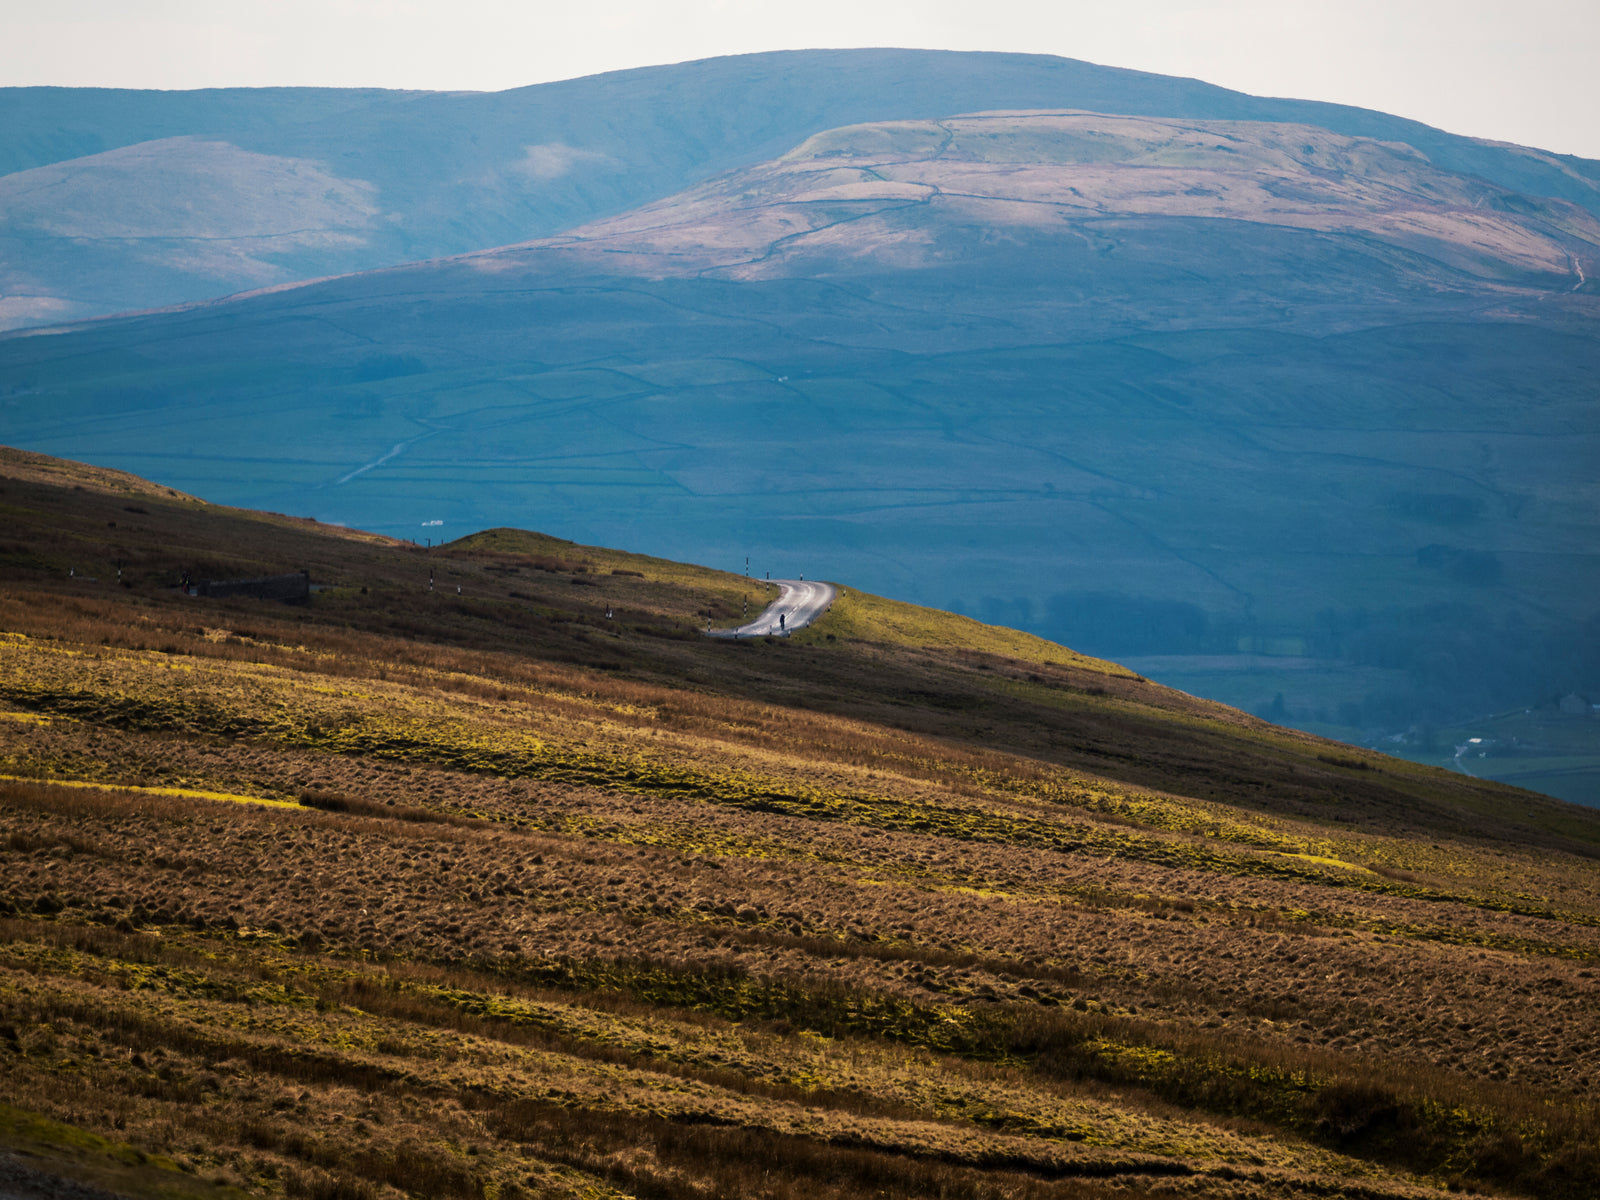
471,889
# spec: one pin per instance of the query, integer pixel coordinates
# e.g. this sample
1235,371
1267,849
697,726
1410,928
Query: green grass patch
60,1151
861,616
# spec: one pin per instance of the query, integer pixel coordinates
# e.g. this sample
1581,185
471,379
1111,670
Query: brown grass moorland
487,894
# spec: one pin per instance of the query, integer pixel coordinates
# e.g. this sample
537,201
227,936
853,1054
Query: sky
1522,72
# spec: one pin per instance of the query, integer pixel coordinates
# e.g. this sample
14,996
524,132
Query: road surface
799,602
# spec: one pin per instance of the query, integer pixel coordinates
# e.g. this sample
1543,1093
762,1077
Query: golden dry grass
534,905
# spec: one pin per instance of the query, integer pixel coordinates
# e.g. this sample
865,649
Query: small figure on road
780,621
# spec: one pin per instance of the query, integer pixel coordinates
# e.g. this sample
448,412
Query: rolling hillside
465,888
1306,411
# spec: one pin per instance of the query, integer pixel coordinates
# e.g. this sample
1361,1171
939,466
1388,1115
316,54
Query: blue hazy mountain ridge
1233,390
115,200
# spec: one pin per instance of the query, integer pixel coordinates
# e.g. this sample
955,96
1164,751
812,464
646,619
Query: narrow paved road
799,602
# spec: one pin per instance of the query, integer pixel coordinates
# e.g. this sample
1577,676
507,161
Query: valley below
1162,387
1553,747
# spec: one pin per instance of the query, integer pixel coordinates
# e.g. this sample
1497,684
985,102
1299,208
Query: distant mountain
967,192
117,200
1302,411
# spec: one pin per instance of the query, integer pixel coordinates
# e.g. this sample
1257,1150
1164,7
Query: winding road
799,602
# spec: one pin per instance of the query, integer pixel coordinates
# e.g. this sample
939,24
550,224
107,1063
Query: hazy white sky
1525,71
